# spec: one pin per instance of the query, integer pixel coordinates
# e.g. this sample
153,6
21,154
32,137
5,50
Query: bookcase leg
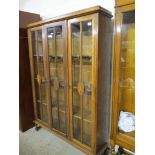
37,127
105,150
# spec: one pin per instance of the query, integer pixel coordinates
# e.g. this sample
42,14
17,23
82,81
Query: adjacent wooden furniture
26,112
70,58
123,94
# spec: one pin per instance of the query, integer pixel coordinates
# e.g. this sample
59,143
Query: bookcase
123,94
70,59
26,110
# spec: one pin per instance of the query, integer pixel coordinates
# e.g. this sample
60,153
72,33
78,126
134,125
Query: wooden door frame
94,19
32,72
65,66
118,138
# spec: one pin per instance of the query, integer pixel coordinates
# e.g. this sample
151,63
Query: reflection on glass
86,38
127,65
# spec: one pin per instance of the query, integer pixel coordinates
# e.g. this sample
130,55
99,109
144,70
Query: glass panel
50,34
76,39
55,46
35,66
37,99
87,38
61,98
75,28
33,43
39,73
127,65
77,127
55,120
86,138
87,80
63,123
54,106
43,93
52,70
60,71
34,53
59,41
41,67
76,103
39,42
45,116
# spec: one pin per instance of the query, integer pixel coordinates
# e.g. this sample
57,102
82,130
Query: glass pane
75,28
39,42
37,99
76,39
35,66
87,80
34,52
33,43
55,47
52,70
39,73
87,38
55,120
76,103
87,75
54,106
41,67
62,112
60,71
77,127
127,65
61,96
86,137
51,44
45,116
43,93
59,41
63,123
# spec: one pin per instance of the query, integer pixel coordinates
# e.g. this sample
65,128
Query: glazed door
38,75
57,73
81,79
124,86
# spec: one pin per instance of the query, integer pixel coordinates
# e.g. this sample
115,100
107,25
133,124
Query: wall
52,8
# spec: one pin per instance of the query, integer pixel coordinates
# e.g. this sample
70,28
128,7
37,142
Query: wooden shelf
86,117
61,109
